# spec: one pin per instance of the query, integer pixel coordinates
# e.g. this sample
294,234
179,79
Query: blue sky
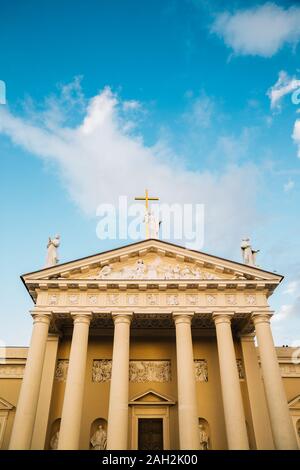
191,98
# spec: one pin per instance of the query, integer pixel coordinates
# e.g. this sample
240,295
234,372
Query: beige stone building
150,346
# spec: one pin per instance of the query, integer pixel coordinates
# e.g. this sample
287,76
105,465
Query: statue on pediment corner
52,256
249,255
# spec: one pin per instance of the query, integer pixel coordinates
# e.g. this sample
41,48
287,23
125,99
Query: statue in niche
54,441
99,439
203,437
249,255
52,257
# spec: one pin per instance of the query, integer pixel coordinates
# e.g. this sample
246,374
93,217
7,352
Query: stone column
187,397
117,432
69,433
256,393
43,408
281,423
29,393
235,423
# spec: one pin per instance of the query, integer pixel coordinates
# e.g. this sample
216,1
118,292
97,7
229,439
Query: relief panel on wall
139,371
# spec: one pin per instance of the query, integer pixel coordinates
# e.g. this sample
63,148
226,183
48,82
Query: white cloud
292,288
289,186
201,112
282,87
102,158
285,311
131,104
290,310
231,147
296,135
261,30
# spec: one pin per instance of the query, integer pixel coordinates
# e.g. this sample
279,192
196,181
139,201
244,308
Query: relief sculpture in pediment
154,269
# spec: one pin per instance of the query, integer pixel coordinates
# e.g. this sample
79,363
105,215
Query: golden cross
146,198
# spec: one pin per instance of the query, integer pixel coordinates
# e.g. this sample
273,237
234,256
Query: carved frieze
240,368
172,299
154,269
250,299
132,299
230,299
92,299
61,370
289,370
201,370
139,371
11,371
73,299
211,299
149,371
191,299
101,371
152,299
53,299
113,299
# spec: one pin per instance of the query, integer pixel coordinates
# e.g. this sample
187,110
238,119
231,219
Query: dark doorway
150,434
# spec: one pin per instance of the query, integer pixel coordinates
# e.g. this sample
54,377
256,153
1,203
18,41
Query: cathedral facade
150,346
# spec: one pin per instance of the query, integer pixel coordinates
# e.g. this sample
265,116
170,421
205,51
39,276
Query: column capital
222,317
81,317
183,317
122,317
40,316
263,316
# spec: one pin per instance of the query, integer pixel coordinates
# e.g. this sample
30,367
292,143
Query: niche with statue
98,434
204,434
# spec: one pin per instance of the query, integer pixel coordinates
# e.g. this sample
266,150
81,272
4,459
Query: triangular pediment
295,403
152,260
5,405
151,397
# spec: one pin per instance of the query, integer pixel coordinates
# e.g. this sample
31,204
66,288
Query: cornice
34,286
